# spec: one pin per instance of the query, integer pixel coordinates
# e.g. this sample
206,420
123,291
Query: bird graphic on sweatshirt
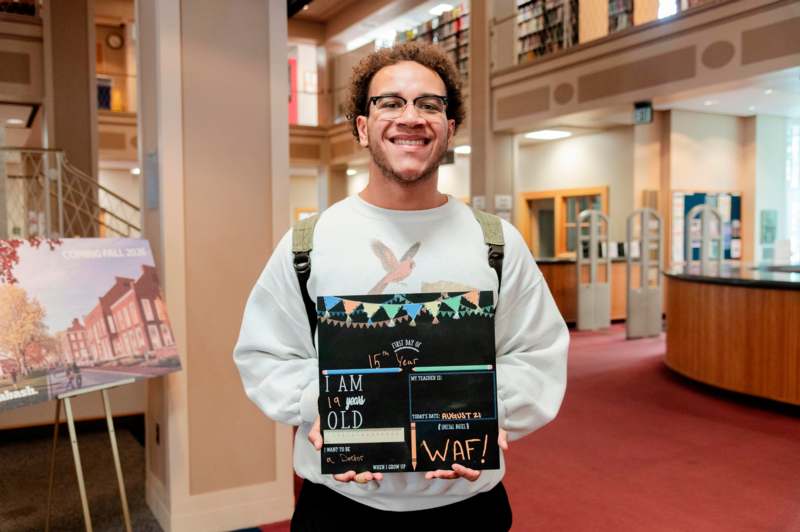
396,270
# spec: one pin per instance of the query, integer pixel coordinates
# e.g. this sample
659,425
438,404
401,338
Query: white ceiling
365,31
777,94
16,134
13,111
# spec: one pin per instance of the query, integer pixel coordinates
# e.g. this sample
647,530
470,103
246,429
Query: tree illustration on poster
20,324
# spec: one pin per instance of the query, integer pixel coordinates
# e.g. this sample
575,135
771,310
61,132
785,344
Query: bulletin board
729,205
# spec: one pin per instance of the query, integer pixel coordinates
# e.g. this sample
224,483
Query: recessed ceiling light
751,108
708,103
350,171
768,91
136,170
463,150
548,134
15,122
439,9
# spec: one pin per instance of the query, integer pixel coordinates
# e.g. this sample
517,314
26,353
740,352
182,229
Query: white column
493,157
221,125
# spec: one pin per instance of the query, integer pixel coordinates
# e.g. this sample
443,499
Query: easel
66,398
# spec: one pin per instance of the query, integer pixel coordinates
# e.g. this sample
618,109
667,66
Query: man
405,106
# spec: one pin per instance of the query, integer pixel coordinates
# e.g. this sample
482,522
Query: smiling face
409,148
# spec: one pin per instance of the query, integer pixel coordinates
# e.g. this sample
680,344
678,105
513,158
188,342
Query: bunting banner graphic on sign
354,312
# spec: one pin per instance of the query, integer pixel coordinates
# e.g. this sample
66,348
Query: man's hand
460,471
360,478
315,437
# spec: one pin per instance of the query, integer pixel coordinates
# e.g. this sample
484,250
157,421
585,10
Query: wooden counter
737,334
562,280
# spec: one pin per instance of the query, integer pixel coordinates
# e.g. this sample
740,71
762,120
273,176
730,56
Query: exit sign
642,113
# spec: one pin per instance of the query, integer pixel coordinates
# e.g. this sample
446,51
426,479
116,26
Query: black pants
320,508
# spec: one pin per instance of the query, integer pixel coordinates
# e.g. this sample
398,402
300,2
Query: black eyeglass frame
372,99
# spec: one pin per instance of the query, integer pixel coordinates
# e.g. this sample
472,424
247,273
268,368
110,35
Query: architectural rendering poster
76,313
407,382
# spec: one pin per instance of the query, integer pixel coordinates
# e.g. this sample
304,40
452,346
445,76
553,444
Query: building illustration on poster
76,313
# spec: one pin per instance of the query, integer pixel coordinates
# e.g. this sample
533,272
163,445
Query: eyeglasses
392,107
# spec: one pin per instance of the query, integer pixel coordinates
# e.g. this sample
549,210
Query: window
573,206
133,313
667,8
155,339
140,337
166,334
548,220
111,326
148,310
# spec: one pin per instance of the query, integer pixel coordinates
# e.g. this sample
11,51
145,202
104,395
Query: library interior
647,152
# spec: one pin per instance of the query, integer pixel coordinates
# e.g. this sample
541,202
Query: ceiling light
768,91
751,108
351,172
136,170
15,122
305,7
441,8
548,134
708,103
463,150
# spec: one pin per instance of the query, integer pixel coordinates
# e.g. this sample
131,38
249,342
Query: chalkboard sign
407,382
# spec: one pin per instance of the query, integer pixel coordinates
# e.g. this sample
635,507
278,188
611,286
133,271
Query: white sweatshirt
278,362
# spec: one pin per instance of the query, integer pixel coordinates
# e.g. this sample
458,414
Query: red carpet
637,448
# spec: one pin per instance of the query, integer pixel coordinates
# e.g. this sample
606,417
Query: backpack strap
302,244
493,237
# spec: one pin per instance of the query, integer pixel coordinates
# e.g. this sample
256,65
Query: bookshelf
450,30
620,15
545,26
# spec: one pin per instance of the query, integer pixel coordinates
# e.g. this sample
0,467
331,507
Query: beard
379,157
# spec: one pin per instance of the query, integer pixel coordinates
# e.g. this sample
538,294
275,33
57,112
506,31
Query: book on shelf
450,31
620,15
545,26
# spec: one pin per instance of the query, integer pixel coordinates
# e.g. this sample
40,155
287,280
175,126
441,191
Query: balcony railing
47,196
116,92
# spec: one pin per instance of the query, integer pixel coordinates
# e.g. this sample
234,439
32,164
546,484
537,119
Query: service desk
562,279
736,328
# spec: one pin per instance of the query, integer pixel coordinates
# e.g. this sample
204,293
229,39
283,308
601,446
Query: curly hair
427,55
